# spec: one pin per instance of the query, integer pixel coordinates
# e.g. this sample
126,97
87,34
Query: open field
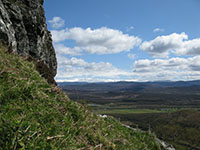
128,111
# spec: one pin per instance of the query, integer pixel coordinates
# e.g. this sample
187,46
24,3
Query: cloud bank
98,41
79,68
168,69
179,57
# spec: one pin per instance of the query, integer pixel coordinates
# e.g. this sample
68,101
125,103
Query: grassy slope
35,115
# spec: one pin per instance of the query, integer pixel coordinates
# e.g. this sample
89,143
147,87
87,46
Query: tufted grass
39,116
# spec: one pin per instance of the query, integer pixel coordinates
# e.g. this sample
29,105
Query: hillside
180,128
36,115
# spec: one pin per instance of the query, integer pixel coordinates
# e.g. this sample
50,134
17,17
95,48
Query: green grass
36,115
128,111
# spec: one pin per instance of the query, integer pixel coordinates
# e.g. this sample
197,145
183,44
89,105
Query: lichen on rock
23,28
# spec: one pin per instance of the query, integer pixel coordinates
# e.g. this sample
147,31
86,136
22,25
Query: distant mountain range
182,87
159,83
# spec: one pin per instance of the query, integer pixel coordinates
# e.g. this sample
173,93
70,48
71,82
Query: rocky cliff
23,28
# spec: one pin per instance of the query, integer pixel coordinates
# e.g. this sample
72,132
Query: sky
125,40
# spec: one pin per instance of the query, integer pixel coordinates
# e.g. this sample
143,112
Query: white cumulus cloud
57,22
98,41
161,45
191,47
177,44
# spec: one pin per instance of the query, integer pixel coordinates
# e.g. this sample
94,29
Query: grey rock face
23,28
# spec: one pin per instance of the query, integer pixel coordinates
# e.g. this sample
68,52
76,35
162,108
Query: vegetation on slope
180,128
36,115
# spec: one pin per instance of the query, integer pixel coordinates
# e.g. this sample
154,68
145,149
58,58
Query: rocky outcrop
23,28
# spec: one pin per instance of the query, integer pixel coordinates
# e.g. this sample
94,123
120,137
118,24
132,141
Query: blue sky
129,40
